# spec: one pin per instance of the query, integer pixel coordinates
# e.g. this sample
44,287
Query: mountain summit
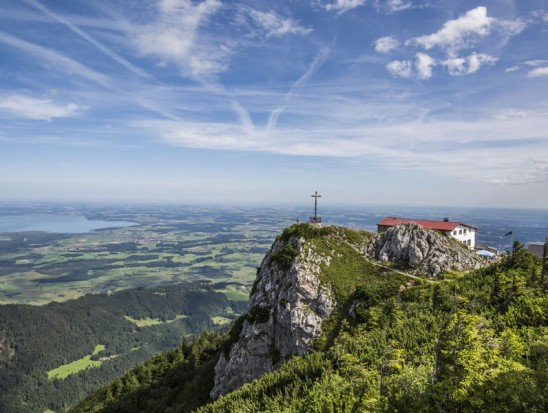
308,274
343,320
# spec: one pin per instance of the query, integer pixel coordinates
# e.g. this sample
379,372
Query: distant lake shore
63,224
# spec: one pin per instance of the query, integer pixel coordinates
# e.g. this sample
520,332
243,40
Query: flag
508,233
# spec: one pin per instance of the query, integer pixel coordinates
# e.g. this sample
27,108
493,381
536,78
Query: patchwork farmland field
220,247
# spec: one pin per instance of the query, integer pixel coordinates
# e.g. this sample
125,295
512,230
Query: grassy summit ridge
470,342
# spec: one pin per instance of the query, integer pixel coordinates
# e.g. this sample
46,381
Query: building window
464,232
460,231
455,232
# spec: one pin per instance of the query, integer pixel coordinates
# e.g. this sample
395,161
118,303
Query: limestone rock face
286,309
425,250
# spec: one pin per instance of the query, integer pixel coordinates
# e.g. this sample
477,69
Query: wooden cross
315,196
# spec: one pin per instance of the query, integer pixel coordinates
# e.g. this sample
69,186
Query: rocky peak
306,275
287,306
425,250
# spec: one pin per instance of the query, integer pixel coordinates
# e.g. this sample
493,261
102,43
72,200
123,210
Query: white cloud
539,71
173,36
511,69
341,6
27,107
459,33
424,64
481,148
397,5
386,44
382,6
535,63
401,68
460,66
510,28
462,33
274,25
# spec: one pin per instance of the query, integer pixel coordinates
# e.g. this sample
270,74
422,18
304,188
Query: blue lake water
70,224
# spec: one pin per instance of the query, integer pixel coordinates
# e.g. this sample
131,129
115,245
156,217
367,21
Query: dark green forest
38,339
465,343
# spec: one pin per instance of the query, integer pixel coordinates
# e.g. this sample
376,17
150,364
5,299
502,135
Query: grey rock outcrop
427,251
289,302
286,311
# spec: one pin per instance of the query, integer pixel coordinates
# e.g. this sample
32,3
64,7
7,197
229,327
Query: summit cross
315,218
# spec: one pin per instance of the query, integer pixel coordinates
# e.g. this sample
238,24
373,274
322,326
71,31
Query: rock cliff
307,275
426,251
287,305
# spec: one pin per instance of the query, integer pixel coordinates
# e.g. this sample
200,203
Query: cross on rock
315,219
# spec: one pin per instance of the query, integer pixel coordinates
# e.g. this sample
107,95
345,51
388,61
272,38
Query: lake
66,224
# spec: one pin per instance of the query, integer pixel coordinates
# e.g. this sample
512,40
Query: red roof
425,223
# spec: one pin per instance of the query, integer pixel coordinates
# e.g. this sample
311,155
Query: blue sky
367,101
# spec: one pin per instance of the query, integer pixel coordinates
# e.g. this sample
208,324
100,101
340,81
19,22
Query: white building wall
465,235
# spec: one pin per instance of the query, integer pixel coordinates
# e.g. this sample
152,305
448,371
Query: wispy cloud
424,64
172,35
400,68
381,6
342,6
386,44
27,107
538,72
317,62
271,24
479,149
394,5
61,62
532,170
114,56
459,66
535,63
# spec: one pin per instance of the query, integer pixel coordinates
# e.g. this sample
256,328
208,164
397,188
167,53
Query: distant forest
132,325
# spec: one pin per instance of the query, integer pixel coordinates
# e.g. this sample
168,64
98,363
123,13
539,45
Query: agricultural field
164,246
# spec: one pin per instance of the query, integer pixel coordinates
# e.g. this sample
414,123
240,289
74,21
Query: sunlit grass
220,321
66,370
147,322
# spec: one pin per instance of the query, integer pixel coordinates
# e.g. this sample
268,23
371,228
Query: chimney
446,219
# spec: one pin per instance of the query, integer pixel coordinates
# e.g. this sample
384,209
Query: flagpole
511,233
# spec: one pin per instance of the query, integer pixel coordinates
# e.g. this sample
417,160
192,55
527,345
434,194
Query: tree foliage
468,343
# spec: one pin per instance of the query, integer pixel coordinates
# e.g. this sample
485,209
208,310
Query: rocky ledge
424,250
287,306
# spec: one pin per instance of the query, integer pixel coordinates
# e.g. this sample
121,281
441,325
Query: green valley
52,356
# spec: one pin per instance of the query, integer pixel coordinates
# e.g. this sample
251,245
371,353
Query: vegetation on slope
473,342
46,352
